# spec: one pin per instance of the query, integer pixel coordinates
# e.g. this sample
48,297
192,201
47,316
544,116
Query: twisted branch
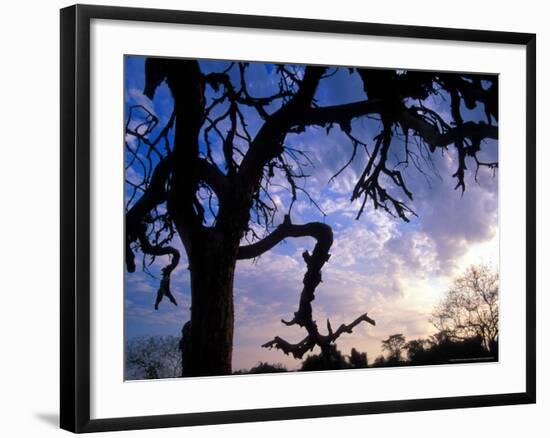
314,262
157,250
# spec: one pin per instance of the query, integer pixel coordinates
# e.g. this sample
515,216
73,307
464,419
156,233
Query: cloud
135,96
454,221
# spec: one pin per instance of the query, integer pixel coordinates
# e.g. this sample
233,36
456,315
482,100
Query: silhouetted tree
394,345
416,350
448,349
152,357
264,367
441,349
335,361
380,361
470,307
358,359
205,176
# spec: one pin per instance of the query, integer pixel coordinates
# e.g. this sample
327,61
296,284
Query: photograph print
289,218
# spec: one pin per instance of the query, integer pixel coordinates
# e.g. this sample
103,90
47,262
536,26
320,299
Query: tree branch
314,261
409,119
212,176
157,250
307,344
268,143
297,350
313,229
153,195
341,114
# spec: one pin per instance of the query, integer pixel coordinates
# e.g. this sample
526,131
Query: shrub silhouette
262,368
441,349
335,361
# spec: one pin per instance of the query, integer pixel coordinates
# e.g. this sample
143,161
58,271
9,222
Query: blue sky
393,270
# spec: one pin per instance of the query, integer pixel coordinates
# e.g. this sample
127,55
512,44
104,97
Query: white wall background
29,186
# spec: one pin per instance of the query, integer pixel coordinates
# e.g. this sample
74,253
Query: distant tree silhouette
394,345
152,357
441,349
336,361
358,359
416,350
380,361
470,308
264,367
205,177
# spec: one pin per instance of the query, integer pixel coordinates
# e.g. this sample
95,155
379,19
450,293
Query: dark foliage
380,361
262,368
442,349
335,361
439,349
357,359
394,346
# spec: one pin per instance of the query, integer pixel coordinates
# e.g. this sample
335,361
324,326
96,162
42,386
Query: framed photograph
268,218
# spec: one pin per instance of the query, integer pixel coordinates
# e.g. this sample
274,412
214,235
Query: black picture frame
75,217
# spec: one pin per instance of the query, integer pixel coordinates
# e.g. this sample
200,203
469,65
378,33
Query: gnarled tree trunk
207,343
